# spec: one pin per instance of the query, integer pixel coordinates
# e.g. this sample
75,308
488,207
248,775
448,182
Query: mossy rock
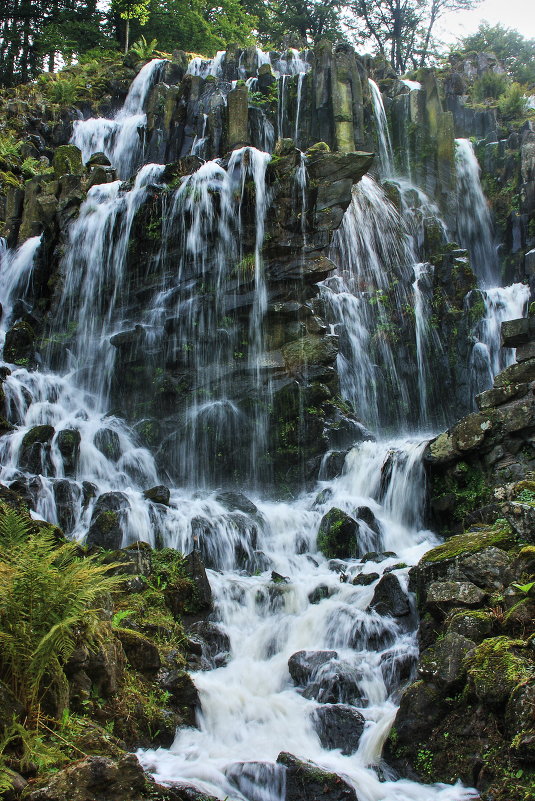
67,160
496,667
472,542
38,434
337,535
19,345
475,624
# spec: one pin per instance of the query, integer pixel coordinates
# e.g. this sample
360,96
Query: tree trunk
127,40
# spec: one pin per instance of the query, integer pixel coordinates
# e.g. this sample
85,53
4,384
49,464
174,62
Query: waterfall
386,154
251,707
120,138
16,271
488,358
204,67
475,230
474,221
372,289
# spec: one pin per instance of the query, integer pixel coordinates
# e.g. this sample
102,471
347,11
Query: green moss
497,536
470,487
496,667
38,434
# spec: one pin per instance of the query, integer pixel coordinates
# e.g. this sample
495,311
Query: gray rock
339,726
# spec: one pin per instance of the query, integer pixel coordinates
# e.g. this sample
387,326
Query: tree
402,30
516,53
129,10
280,21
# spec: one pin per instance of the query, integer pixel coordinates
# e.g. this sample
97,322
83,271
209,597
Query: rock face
488,447
306,782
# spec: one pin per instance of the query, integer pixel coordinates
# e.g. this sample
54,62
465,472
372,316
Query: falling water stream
253,706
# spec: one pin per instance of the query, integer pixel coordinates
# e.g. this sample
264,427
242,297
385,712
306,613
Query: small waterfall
122,137
474,221
94,271
251,707
386,153
16,271
488,358
475,230
204,67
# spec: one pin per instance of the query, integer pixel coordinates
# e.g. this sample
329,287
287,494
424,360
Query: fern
144,50
49,599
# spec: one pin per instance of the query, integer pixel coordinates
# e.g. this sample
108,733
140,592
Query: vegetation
516,53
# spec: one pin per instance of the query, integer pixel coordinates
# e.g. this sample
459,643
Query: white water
475,230
386,154
488,358
251,709
474,220
120,138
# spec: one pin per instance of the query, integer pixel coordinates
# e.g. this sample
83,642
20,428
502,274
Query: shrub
513,103
489,85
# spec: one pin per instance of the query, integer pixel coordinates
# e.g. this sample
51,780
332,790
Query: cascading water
386,154
375,250
251,708
120,138
499,303
474,221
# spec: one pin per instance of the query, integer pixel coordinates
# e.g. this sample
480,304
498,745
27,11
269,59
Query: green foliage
144,50
489,86
49,598
515,52
513,103
31,167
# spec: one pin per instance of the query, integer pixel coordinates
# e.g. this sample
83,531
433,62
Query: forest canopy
36,35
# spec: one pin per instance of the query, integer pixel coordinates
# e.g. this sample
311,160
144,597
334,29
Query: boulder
159,494
107,441
19,346
338,726
141,652
364,579
95,778
68,443
105,529
305,781
421,708
214,641
389,598
337,535
444,662
444,595
67,160
35,449
496,667
182,691
324,677
475,625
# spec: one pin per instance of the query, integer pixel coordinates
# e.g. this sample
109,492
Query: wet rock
421,708
337,535
95,778
35,449
389,597
257,780
67,498
107,441
214,642
324,677
237,501
475,625
109,513
320,593
444,663
68,442
159,494
98,159
331,467
182,691
304,664
67,160
364,579
339,726
443,595
305,781
397,667
19,347
141,652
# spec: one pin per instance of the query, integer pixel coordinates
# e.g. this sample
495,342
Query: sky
518,14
